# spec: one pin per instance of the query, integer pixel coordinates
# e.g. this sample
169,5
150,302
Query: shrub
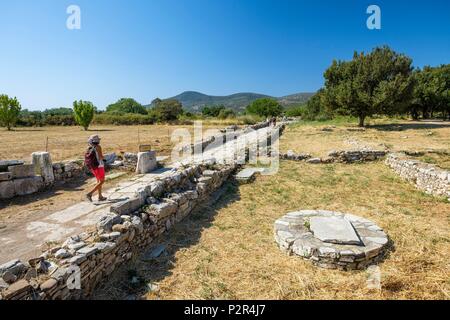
123,119
9,111
84,113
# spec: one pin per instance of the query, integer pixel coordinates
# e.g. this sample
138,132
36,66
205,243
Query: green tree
226,113
212,111
166,110
376,83
431,92
84,113
265,107
9,111
126,105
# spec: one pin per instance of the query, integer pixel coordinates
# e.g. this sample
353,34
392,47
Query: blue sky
159,48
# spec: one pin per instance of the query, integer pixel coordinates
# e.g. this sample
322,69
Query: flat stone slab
334,230
4,164
248,174
330,239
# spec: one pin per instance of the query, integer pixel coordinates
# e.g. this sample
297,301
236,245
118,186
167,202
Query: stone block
14,266
108,221
27,186
5,176
334,230
43,166
7,189
146,162
163,209
17,288
128,206
22,171
4,164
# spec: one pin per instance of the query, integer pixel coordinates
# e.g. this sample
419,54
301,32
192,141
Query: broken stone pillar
146,162
43,166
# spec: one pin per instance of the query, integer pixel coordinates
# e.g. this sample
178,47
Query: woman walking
94,161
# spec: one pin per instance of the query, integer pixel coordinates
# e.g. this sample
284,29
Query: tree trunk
361,120
425,114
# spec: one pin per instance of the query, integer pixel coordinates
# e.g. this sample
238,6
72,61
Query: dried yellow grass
227,250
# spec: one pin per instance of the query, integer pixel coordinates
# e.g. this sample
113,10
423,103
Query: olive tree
379,82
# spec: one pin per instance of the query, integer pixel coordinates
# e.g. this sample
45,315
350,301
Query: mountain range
195,101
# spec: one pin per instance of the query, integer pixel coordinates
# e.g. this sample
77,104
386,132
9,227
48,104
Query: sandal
88,197
102,199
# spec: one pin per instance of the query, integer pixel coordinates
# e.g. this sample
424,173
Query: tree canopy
379,82
212,111
166,110
126,105
265,107
431,92
9,111
84,113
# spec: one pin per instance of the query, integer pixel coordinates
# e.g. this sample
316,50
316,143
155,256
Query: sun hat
94,139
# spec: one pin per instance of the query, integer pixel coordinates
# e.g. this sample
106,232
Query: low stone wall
344,156
429,178
70,169
18,179
351,156
129,228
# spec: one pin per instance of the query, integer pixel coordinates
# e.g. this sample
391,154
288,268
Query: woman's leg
96,187
100,186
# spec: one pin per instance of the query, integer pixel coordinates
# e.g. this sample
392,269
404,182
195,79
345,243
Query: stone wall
70,169
18,179
344,156
129,228
429,178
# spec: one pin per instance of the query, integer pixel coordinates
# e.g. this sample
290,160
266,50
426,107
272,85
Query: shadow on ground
425,125
133,280
59,188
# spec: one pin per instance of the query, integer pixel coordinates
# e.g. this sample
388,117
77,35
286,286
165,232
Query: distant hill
195,101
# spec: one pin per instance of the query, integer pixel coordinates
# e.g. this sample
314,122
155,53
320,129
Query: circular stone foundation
331,240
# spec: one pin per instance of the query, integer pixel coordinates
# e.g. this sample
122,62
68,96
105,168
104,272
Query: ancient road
25,240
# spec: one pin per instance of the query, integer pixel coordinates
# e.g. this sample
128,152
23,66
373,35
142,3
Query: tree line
125,111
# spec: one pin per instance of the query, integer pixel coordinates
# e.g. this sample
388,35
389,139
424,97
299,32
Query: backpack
90,158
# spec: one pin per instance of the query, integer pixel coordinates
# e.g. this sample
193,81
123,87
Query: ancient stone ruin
342,156
124,229
18,179
331,240
426,177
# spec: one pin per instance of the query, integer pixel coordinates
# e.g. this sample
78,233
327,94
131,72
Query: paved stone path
24,241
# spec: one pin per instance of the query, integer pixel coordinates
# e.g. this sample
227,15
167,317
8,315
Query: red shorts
99,173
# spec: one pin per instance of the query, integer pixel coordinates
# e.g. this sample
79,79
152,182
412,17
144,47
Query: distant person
274,121
94,161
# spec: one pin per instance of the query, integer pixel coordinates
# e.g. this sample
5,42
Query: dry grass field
70,142
227,250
